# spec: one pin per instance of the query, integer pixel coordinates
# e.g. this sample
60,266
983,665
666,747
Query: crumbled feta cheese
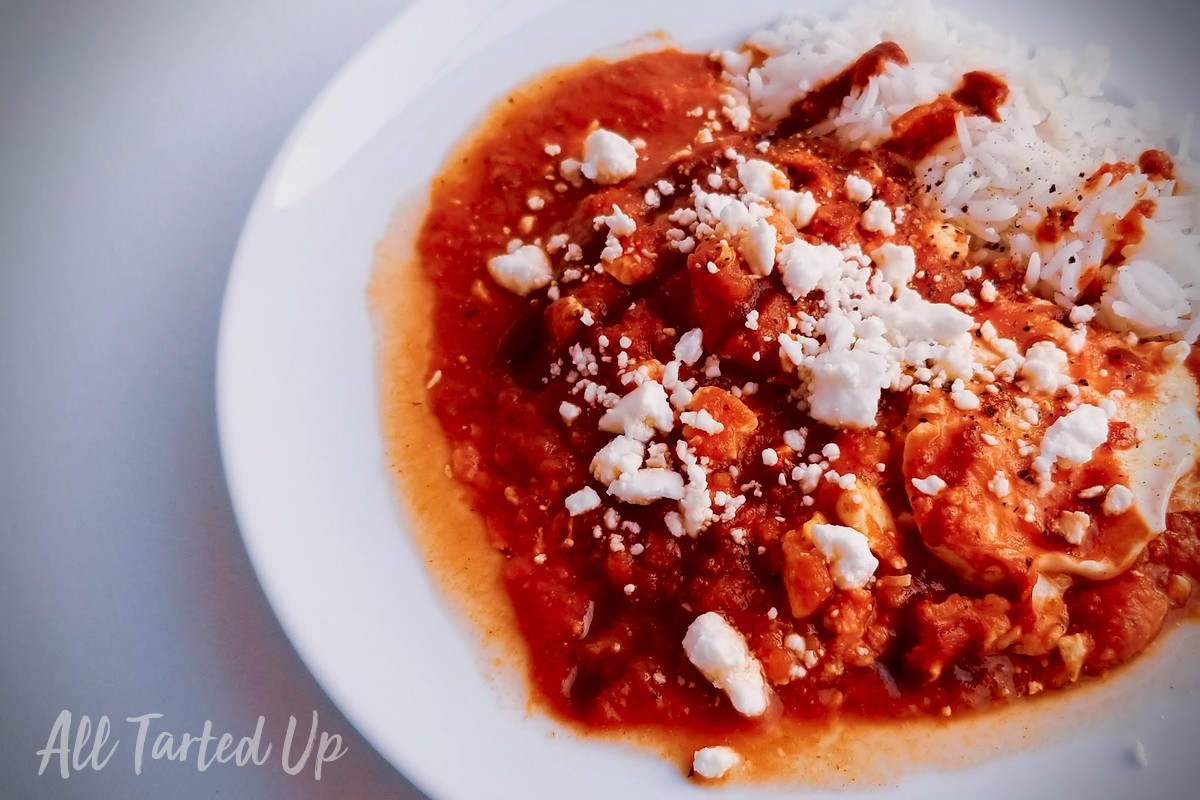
769,457
1118,500
962,300
696,506
582,501
878,218
761,178
623,454
932,485
644,486
701,420
964,400
897,263
720,652
569,412
1044,369
618,222
805,267
846,387
521,271
1073,526
1080,314
799,207
858,189
757,246
988,292
794,440
848,553
752,320
1071,439
999,484
714,762
689,348
608,157
640,413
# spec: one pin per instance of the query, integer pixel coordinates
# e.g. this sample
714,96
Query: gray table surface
133,135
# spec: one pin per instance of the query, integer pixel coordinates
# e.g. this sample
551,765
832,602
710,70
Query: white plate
301,438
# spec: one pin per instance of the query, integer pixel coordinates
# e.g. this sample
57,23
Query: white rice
996,180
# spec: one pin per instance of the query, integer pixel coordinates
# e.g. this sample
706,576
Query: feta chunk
931,486
1044,370
897,263
848,553
1118,500
713,762
644,486
912,318
858,189
640,413
758,247
586,499
690,347
521,271
569,412
761,178
878,218
618,222
701,420
608,157
1071,440
1073,526
1075,435
846,387
804,267
799,207
720,652
623,454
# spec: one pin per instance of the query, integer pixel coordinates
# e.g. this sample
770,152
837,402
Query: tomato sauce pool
604,601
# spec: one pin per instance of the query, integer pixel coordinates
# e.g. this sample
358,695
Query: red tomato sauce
919,639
